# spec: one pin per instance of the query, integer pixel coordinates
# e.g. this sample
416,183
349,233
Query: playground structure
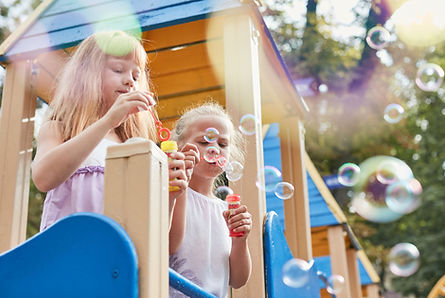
199,49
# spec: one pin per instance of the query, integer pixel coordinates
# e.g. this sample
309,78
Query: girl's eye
222,145
117,70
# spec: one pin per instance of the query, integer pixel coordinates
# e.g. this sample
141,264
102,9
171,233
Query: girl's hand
176,174
239,221
191,153
127,104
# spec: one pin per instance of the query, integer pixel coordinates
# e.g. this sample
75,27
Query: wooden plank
353,273
338,258
189,81
183,34
181,59
372,291
16,134
243,96
136,196
296,209
175,106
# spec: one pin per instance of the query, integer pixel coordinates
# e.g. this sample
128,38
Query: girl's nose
128,80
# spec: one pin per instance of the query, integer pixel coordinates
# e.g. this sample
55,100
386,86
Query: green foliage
346,125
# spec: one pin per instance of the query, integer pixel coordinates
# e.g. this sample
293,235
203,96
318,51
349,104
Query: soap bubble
378,37
369,197
234,171
271,177
348,174
404,259
211,154
211,135
222,192
404,196
393,113
429,77
295,273
247,124
284,190
335,284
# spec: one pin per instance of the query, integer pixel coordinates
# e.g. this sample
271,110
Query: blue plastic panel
82,255
276,254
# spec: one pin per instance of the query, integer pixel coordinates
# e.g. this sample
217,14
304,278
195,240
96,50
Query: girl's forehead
203,122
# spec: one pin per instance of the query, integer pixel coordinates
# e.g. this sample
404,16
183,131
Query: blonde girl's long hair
78,100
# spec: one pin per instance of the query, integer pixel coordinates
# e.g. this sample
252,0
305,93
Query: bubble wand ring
161,130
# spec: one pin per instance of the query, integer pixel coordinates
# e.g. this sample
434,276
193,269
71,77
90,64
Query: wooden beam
296,209
16,134
242,81
372,291
338,258
354,274
136,196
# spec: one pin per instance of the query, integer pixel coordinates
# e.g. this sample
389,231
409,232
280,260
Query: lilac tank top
82,192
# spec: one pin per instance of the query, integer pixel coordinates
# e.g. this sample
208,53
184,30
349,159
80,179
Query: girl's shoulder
198,196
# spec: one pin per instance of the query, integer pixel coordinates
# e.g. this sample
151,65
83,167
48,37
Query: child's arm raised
178,207
56,161
240,261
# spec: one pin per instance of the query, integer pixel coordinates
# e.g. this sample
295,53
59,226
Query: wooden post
354,274
242,82
136,196
373,291
338,258
16,134
296,210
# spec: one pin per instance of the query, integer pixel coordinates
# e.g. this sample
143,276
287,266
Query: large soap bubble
369,193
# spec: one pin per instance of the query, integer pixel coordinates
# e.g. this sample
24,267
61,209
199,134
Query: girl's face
121,75
196,132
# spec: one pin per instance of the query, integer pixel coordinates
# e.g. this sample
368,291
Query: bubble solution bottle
169,147
233,201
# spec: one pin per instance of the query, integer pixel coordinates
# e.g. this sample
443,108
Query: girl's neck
112,136
202,185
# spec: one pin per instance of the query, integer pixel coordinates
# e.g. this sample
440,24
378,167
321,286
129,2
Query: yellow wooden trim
265,130
20,30
326,194
438,289
368,266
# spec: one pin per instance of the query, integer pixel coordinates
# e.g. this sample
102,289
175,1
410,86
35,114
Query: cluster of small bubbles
417,138
295,273
378,37
404,259
284,190
221,161
234,171
348,174
403,196
247,124
323,88
429,77
211,135
335,284
271,175
222,191
393,113
211,154
369,200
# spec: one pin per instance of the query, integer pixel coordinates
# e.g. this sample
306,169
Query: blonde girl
200,246
102,98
